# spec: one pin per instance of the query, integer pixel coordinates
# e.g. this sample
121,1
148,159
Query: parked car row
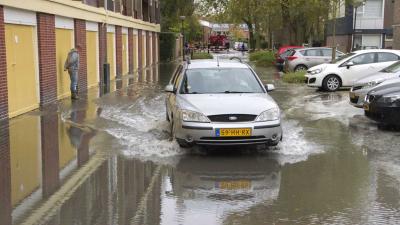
373,76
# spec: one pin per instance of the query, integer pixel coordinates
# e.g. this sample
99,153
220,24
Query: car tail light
291,58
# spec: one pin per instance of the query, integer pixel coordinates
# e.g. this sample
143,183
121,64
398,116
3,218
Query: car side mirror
269,87
349,64
169,88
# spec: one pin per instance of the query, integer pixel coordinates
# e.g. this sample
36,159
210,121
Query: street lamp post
182,18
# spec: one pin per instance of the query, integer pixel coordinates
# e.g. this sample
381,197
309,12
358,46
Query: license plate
366,107
234,185
233,132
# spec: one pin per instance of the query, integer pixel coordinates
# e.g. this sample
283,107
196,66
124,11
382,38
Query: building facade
366,26
36,36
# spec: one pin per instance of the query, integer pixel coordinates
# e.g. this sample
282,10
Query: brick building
36,36
366,26
396,24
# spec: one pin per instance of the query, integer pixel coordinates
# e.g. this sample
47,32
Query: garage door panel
64,43
21,70
92,59
125,54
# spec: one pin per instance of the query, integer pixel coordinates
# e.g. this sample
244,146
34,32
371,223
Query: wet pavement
108,159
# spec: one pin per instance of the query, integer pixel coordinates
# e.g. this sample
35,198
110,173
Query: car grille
231,138
354,100
232,118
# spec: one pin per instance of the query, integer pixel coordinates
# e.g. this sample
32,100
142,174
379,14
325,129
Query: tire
299,68
331,83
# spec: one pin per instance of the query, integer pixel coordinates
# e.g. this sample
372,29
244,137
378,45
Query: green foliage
294,77
167,46
202,55
262,58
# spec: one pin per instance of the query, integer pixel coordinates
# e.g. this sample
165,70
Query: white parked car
349,68
361,87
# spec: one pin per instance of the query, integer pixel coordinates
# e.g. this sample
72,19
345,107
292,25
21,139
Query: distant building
240,31
396,25
366,26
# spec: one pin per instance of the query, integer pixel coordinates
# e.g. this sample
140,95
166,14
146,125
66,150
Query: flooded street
108,159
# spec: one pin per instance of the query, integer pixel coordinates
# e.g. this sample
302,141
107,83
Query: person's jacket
72,62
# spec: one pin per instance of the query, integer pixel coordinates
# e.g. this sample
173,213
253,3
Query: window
373,8
229,80
327,52
313,52
387,57
364,59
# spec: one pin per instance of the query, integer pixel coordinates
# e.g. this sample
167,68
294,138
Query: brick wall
140,49
148,49
3,70
342,41
102,49
47,58
80,39
118,49
130,50
5,174
50,153
396,25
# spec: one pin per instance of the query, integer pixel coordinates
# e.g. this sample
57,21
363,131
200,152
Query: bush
202,55
294,77
167,46
263,58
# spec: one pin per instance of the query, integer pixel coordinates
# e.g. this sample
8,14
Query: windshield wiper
236,92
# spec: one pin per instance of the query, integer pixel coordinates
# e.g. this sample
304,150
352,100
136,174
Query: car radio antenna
217,61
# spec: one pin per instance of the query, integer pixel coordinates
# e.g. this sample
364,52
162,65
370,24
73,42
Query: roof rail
237,58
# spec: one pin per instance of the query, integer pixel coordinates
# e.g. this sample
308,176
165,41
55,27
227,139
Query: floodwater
108,159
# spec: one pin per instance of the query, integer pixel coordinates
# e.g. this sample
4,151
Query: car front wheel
331,83
300,68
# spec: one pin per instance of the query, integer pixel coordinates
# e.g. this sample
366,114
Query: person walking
72,65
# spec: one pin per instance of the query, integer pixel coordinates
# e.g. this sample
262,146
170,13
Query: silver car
361,87
221,103
305,58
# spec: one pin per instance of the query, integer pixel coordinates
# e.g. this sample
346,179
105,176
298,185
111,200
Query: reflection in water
206,190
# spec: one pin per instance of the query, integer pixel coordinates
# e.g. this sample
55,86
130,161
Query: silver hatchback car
305,58
221,103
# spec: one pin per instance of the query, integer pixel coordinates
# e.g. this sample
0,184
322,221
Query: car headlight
269,115
390,98
192,116
370,84
316,71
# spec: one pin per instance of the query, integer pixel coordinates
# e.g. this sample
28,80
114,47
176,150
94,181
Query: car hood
216,104
377,77
389,86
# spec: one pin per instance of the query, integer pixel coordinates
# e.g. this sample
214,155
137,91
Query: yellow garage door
125,54
110,54
92,66
21,71
64,43
25,158
143,51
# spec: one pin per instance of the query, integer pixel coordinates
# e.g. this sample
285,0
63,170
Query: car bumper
357,97
313,81
205,133
383,114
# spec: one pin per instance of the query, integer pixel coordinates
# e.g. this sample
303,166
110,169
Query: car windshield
227,80
342,57
394,68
